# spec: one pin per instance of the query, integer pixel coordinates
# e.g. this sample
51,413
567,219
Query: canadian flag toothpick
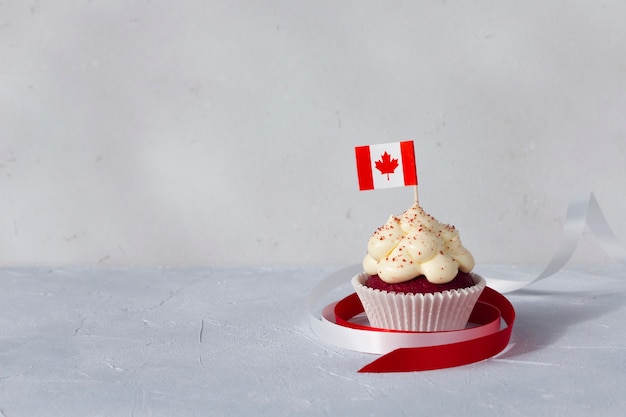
386,165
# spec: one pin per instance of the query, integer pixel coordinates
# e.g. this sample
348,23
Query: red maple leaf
386,165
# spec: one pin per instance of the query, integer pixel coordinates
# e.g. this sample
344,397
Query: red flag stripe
364,168
408,163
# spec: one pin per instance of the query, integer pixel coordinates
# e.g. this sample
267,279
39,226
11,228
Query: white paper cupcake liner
445,310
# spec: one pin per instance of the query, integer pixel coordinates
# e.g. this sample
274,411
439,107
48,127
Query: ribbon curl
582,209
493,317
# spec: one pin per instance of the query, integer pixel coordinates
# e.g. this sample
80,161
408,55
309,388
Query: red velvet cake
417,275
420,284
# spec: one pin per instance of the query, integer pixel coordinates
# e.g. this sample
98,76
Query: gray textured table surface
94,341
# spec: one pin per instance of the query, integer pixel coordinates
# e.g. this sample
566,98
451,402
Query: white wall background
222,132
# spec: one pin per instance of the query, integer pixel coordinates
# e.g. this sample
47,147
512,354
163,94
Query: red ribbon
414,351
490,306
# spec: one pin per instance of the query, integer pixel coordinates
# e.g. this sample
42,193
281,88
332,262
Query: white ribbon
375,342
583,209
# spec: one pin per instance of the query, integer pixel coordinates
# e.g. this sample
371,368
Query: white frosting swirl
414,244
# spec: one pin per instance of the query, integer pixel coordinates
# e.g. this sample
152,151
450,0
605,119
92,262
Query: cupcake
417,275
